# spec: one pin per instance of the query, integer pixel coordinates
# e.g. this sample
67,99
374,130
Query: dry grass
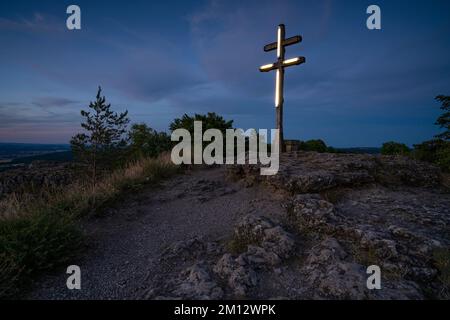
40,231
441,257
445,180
82,198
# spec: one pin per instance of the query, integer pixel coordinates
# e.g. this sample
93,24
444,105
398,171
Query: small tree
102,141
444,120
209,121
144,141
394,148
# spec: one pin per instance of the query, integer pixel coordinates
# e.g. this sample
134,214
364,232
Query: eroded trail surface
125,246
309,232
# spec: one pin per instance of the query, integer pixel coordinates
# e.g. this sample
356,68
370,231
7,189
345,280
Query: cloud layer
358,87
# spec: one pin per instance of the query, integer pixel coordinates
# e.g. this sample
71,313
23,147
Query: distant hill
59,157
62,156
12,151
13,155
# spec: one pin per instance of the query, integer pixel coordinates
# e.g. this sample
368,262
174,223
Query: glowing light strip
293,60
279,43
277,89
266,66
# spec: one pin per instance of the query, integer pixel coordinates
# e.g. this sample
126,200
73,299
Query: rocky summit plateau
309,232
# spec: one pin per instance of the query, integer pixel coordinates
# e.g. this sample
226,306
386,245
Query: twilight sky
161,59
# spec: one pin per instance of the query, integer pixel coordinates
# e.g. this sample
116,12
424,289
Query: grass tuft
441,257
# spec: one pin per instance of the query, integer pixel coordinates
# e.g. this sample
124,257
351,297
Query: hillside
309,232
33,174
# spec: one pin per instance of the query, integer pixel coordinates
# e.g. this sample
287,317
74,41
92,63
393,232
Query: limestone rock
197,283
312,172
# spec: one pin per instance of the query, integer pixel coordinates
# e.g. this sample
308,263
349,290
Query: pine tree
103,139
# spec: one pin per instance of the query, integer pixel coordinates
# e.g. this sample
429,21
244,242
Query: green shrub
209,121
317,145
444,119
32,244
443,157
395,148
435,151
427,150
146,142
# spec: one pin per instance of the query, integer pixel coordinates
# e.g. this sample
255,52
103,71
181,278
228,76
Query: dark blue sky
162,59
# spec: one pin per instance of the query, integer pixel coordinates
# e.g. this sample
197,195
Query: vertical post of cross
279,98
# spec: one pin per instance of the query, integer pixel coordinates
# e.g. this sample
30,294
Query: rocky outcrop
363,210
264,245
186,272
310,172
333,274
237,273
343,213
396,230
197,283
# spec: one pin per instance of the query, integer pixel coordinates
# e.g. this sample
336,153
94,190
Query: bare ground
309,232
125,244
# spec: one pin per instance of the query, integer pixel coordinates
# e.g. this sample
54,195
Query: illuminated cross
279,67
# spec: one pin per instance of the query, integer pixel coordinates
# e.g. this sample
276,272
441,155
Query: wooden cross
279,66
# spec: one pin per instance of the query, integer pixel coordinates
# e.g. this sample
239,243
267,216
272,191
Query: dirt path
124,246
309,232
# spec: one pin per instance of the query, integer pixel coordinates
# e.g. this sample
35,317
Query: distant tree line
316,145
107,143
436,150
